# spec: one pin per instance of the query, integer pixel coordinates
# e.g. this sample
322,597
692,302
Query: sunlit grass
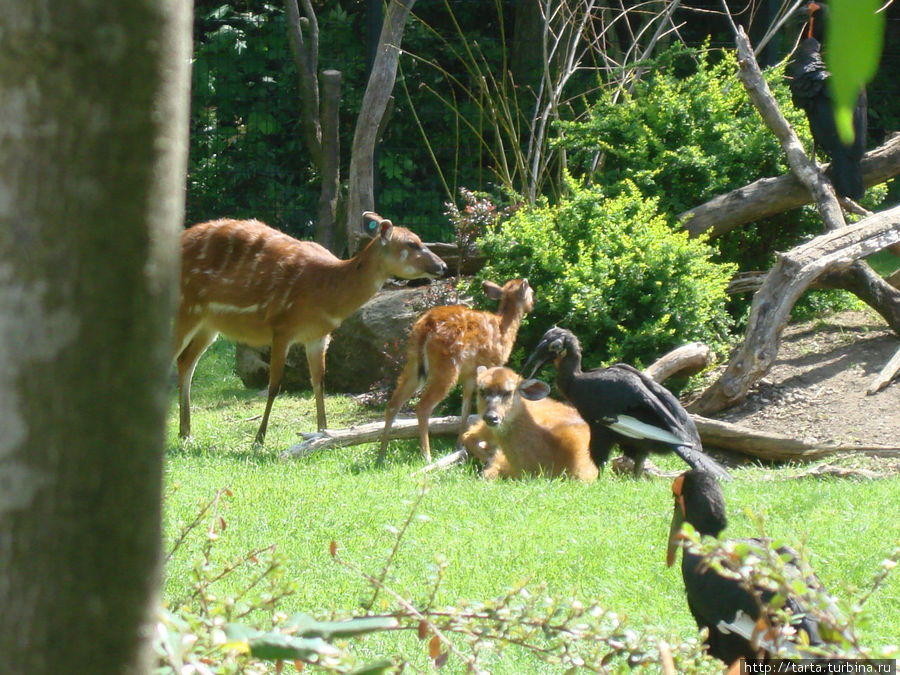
601,541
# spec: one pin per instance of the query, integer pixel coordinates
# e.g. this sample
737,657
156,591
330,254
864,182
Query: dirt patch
817,388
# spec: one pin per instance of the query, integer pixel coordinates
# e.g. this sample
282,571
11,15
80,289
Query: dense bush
615,272
687,133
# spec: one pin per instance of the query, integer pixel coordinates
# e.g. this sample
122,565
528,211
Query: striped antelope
259,286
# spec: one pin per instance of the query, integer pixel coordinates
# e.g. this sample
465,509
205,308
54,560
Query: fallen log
774,447
735,438
404,428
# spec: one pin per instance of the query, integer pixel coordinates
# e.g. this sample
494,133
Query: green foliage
852,54
614,271
687,133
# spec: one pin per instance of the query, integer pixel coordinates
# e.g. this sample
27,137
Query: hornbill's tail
696,458
702,462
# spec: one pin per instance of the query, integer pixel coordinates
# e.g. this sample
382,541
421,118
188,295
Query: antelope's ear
534,390
385,230
492,290
375,225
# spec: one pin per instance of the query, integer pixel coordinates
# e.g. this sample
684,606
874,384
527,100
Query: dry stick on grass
840,248
713,433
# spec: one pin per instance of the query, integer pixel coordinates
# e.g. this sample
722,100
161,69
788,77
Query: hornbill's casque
729,611
808,80
622,406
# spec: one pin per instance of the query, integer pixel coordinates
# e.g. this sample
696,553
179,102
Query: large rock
367,349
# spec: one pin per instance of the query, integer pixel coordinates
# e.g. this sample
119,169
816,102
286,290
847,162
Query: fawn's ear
534,390
492,290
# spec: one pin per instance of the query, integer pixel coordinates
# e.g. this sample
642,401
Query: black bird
730,612
809,85
622,406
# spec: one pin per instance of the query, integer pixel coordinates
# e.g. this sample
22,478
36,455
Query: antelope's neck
350,283
509,328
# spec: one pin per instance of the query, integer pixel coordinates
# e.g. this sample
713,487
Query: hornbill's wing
808,74
656,406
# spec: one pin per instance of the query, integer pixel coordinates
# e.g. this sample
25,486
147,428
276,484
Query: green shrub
615,272
687,133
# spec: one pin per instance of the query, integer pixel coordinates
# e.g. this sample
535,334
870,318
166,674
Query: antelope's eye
414,246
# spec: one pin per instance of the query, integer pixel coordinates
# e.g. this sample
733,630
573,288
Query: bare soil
817,388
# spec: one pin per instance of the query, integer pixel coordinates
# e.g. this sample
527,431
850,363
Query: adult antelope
447,344
259,286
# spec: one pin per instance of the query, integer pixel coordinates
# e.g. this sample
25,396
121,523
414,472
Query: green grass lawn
603,542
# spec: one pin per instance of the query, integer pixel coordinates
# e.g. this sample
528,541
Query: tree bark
305,50
771,196
361,195
93,149
330,166
319,117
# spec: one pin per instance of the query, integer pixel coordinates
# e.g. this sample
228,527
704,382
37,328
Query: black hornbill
808,81
731,613
622,406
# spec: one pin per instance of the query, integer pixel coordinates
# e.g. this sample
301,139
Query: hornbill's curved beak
674,536
678,518
539,357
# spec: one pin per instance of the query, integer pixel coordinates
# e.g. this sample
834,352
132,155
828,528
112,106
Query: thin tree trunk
330,166
361,195
93,131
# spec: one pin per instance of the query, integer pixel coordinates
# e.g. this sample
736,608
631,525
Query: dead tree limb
777,447
687,359
802,167
886,375
714,434
771,196
772,304
837,253
403,428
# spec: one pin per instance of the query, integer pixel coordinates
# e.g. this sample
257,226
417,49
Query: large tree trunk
361,195
93,150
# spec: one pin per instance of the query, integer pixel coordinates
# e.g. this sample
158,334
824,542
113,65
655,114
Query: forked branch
837,252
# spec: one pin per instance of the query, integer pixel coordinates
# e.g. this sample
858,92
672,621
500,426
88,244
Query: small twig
187,530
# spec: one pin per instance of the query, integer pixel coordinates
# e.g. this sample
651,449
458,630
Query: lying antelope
259,286
446,344
523,432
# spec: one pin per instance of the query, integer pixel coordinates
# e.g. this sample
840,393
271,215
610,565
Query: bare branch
769,196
